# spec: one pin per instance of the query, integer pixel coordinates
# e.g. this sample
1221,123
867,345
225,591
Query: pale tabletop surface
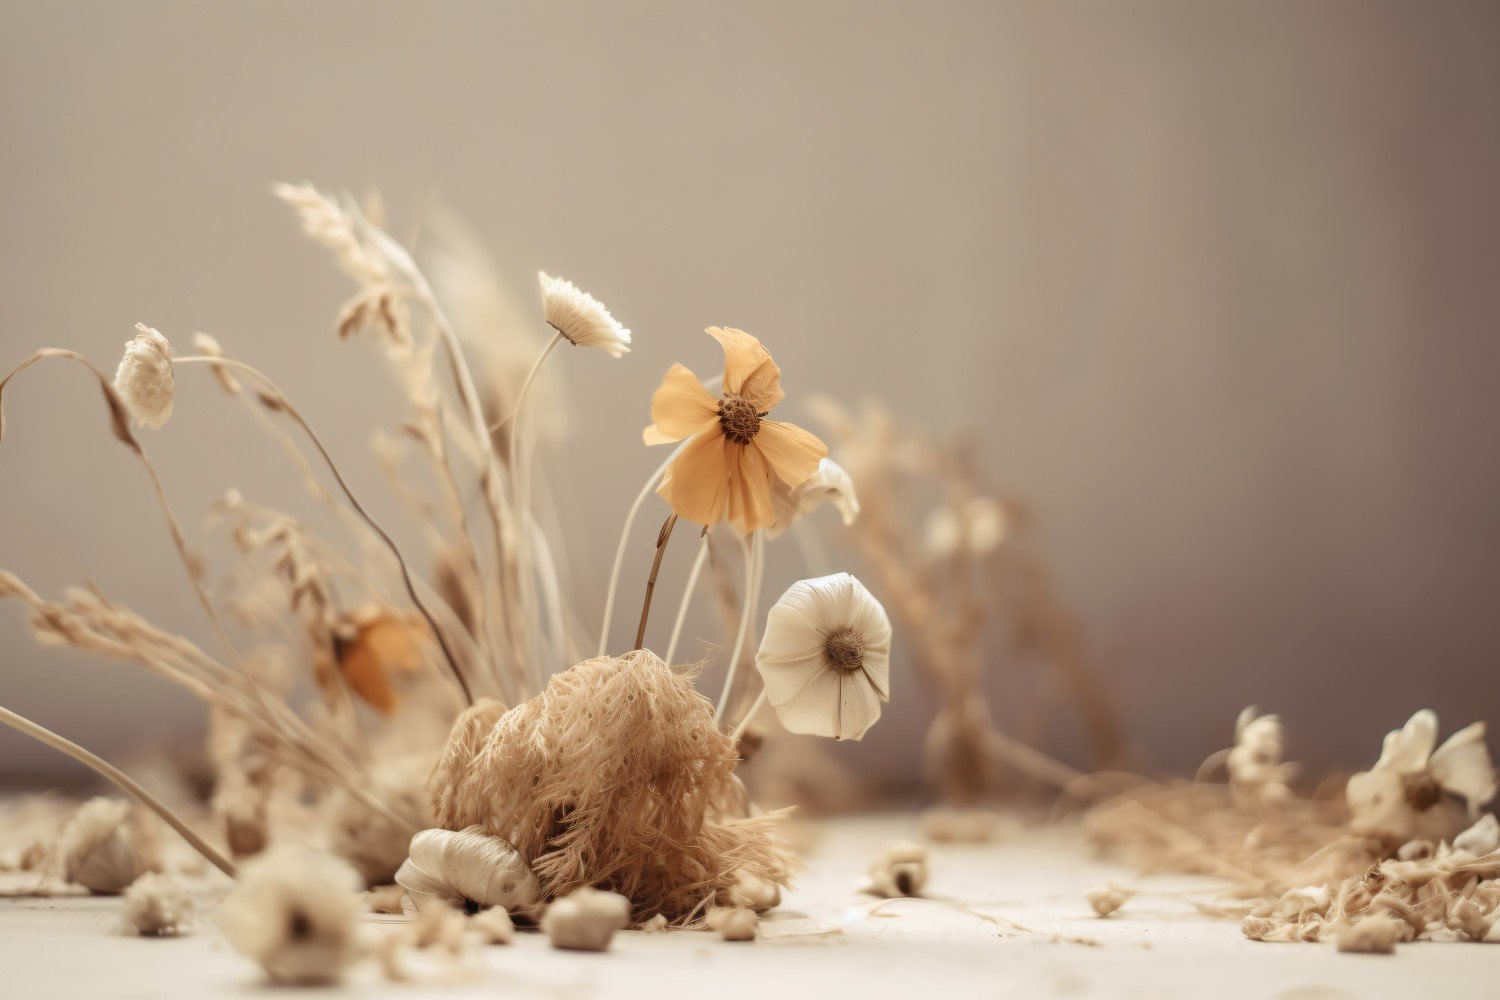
823,943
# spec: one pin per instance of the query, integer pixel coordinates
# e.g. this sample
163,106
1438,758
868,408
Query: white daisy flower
825,657
1410,792
581,318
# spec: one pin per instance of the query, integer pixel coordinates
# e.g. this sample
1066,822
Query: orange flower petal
680,408
750,492
792,452
749,371
697,484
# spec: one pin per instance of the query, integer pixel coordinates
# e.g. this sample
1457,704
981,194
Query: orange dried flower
736,458
380,644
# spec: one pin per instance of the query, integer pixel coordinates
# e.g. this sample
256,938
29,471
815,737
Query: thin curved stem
124,781
662,539
687,597
283,403
520,458
745,722
515,414
753,554
614,577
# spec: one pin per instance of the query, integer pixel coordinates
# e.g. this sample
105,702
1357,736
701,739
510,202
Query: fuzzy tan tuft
615,777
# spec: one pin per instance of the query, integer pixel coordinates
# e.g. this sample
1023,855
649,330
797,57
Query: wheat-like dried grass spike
614,777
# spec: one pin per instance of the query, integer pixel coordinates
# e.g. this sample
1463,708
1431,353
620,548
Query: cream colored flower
586,919
297,914
1409,793
825,657
471,870
736,458
144,379
979,527
1256,773
829,484
580,317
157,906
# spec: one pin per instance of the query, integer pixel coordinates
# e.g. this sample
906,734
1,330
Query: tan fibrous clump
586,919
1375,935
296,913
1107,898
157,906
104,849
614,777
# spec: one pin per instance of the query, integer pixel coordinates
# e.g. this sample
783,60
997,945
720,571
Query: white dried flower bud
157,906
580,317
297,914
1107,898
586,919
144,379
830,484
1374,935
901,870
99,850
655,925
471,870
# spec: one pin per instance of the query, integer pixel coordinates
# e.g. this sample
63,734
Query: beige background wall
1218,283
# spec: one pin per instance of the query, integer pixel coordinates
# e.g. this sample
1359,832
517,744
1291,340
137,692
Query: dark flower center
846,650
1421,790
739,419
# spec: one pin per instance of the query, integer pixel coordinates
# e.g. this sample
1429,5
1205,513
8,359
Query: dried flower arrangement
964,572
1401,852
445,746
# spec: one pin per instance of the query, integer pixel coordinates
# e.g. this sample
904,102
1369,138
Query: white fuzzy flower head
470,870
581,318
825,657
297,914
1412,792
144,379
830,484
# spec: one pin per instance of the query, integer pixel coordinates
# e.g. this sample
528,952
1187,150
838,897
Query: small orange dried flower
737,457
